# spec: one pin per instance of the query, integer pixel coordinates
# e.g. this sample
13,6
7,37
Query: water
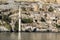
29,36
40,36
8,36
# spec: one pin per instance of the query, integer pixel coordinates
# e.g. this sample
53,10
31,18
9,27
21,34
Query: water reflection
19,36
29,36
40,36
8,36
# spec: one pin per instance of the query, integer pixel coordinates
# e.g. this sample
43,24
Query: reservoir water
29,36
8,36
40,36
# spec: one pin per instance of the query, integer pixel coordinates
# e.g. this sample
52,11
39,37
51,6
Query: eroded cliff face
9,16
43,17
58,1
40,14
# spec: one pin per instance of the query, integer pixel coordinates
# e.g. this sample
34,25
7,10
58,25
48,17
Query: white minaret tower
19,34
19,19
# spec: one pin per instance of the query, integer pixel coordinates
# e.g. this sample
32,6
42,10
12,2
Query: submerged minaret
19,19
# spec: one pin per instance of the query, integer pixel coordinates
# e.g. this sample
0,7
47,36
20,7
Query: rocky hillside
39,15
9,16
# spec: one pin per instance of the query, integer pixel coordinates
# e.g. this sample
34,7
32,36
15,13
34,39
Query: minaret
19,19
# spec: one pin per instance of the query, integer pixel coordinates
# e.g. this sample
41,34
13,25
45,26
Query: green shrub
16,26
50,9
0,17
42,19
25,20
41,9
6,18
8,26
23,8
58,26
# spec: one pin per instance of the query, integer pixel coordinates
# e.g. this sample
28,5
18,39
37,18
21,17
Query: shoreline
28,32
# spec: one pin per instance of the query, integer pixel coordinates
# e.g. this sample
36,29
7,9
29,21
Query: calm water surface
9,36
40,36
29,36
